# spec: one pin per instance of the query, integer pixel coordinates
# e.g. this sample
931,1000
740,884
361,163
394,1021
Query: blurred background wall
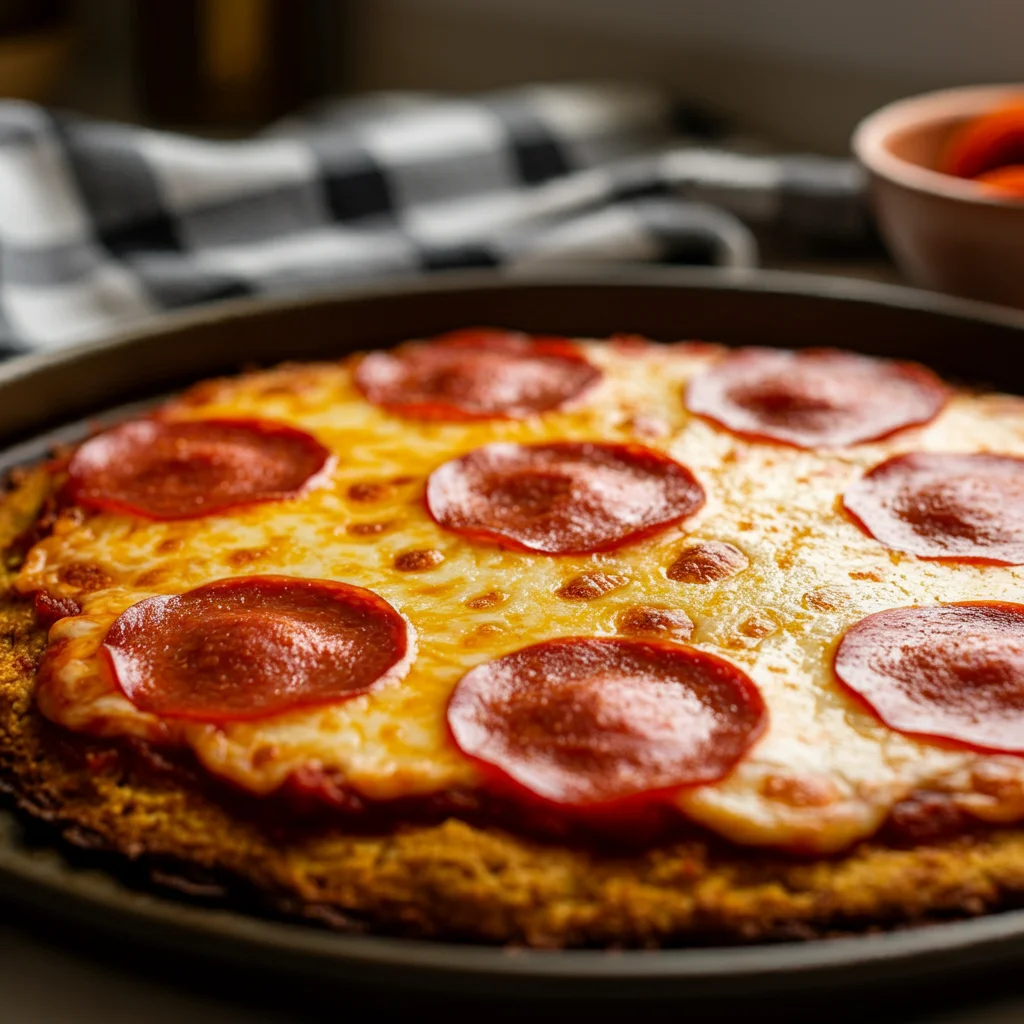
804,71
801,71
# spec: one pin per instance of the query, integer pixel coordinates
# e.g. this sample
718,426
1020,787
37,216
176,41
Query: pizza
536,640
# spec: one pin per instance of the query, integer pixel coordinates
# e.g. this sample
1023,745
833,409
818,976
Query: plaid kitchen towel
102,225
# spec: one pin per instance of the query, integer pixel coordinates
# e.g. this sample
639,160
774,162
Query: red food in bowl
986,143
1007,181
963,235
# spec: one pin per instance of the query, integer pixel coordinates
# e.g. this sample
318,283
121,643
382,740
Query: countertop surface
49,973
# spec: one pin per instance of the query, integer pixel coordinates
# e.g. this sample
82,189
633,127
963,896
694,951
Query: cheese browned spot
84,577
370,529
418,560
489,599
368,491
825,599
589,586
799,791
648,620
709,562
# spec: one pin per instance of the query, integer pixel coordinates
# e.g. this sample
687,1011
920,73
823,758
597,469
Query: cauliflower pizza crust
536,640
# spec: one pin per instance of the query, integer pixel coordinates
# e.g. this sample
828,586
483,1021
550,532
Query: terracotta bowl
946,233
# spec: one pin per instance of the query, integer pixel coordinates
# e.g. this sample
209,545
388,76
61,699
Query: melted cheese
825,774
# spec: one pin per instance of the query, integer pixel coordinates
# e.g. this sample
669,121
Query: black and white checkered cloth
103,225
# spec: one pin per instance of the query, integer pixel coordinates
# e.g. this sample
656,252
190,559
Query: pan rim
49,879
794,283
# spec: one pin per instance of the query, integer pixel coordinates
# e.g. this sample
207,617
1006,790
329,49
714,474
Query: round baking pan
57,395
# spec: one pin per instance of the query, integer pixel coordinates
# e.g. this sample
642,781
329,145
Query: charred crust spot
648,620
368,491
369,529
418,560
709,562
798,790
589,586
84,577
824,599
490,599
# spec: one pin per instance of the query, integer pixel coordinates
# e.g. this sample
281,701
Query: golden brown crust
454,879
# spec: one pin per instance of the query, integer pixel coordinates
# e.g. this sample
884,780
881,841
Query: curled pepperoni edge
271,428
396,671
947,559
494,339
50,609
511,544
930,380
941,739
618,807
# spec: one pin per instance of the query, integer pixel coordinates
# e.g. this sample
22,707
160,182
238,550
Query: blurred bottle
227,64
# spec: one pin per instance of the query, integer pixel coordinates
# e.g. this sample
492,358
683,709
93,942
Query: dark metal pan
45,397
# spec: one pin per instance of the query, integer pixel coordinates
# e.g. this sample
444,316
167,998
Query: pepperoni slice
963,508
817,398
160,469
952,672
479,373
589,722
562,498
251,647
